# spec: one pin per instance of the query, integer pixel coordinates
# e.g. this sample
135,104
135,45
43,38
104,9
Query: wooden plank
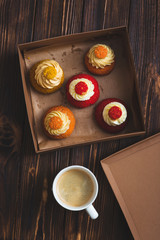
44,216
105,14
98,15
144,36
16,26
54,18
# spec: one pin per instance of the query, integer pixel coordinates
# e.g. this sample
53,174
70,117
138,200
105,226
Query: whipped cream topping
87,95
100,63
45,82
118,121
65,124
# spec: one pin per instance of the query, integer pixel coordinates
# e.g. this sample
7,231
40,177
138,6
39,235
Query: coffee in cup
75,187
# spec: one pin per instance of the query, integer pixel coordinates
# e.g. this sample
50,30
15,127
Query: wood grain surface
27,207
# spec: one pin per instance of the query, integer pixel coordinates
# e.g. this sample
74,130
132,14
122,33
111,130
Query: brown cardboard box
134,175
69,51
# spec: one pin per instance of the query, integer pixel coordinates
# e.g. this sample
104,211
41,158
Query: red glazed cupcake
111,115
82,90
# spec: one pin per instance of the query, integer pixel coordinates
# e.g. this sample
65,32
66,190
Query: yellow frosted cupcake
46,76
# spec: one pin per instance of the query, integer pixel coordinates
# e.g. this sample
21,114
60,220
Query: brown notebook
134,175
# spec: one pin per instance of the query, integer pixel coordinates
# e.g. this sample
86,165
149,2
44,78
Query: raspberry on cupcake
46,76
82,90
100,59
58,122
111,115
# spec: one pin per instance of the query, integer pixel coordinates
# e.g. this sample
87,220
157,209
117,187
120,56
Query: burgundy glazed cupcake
111,115
82,90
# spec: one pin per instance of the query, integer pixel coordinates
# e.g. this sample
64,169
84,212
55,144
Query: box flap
134,175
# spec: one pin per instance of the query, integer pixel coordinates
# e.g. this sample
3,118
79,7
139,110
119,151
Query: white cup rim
78,208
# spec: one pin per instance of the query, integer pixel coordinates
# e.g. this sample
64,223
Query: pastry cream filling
118,121
63,117
100,62
87,95
48,74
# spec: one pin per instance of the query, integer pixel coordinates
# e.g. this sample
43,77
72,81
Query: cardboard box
134,175
69,51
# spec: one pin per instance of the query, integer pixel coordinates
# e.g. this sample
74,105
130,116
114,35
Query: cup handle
92,211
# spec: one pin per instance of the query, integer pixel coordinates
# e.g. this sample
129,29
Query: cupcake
82,90
46,76
100,59
111,115
58,122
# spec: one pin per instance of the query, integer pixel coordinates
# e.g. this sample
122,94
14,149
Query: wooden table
27,207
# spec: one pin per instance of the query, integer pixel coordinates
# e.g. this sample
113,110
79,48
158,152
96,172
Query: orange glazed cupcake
46,76
100,59
58,122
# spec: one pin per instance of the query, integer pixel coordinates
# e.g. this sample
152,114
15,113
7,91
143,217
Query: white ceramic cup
87,206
